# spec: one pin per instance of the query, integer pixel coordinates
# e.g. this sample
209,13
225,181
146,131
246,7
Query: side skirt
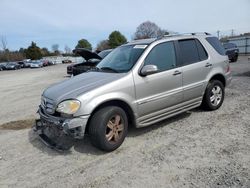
166,113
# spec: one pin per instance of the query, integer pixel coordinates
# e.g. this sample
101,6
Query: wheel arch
219,77
119,103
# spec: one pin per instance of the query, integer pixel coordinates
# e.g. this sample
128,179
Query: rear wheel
214,95
235,58
108,128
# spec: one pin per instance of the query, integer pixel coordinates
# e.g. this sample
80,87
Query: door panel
158,91
194,80
195,67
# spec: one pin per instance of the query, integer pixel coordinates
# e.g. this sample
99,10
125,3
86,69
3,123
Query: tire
108,128
214,95
235,58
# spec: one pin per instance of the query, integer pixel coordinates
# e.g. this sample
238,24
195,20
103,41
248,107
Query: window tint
214,41
163,56
201,50
188,51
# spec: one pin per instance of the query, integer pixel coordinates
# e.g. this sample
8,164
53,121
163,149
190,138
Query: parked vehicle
91,60
45,62
27,63
66,61
137,84
232,51
12,66
2,66
36,64
21,63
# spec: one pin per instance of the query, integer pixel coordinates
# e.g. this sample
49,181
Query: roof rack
174,35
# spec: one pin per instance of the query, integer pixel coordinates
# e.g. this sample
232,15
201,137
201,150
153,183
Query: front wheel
108,128
214,95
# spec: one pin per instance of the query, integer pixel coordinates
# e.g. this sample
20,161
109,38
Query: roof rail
196,33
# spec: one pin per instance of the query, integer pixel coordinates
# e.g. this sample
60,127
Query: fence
243,44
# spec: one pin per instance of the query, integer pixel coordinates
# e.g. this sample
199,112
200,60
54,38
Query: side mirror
148,69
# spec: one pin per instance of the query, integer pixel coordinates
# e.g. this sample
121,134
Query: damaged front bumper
50,126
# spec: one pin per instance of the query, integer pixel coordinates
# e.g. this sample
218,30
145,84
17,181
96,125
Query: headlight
69,106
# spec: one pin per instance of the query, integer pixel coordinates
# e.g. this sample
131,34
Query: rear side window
163,56
201,50
216,44
188,51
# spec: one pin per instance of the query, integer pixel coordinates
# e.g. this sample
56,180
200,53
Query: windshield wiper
109,69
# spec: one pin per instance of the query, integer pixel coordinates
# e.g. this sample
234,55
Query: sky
64,22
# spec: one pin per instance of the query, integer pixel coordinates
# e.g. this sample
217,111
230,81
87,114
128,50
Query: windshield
122,59
11,63
104,53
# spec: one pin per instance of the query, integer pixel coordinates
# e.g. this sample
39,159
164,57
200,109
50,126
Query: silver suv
137,84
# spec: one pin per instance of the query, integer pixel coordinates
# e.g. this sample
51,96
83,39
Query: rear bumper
74,127
228,77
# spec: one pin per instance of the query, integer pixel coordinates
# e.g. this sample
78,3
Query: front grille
48,105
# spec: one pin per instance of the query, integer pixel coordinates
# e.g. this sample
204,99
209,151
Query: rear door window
188,51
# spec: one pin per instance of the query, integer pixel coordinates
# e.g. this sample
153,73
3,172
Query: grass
18,125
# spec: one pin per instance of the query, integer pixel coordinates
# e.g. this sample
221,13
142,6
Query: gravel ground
20,90
194,149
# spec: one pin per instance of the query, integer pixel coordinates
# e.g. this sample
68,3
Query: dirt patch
18,125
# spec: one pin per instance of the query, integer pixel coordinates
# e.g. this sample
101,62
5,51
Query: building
243,43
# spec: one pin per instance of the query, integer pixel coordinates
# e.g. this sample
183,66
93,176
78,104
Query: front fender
90,105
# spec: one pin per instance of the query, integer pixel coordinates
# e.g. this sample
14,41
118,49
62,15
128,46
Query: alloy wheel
114,129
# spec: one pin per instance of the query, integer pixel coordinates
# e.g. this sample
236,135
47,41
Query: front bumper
74,127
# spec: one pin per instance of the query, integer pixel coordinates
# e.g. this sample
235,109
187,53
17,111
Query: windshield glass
11,63
122,59
104,53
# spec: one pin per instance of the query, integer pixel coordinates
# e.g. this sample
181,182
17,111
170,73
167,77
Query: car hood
86,54
78,85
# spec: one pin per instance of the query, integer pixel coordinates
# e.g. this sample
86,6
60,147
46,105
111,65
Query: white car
36,64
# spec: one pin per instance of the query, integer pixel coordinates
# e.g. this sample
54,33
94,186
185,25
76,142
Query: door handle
208,65
176,73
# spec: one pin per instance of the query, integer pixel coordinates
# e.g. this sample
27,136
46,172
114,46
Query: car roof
172,37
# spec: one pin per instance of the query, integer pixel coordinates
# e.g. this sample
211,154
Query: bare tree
103,45
4,43
149,30
55,47
67,49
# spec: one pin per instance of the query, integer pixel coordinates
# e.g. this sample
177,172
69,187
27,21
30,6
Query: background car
91,60
12,66
45,62
232,51
36,64
66,61
21,63
2,66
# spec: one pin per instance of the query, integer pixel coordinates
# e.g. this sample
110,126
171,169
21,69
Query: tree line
116,38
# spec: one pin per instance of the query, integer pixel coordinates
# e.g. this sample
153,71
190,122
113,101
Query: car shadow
133,131
70,144
84,145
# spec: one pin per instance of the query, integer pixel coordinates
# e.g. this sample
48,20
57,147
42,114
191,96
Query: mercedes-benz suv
138,84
